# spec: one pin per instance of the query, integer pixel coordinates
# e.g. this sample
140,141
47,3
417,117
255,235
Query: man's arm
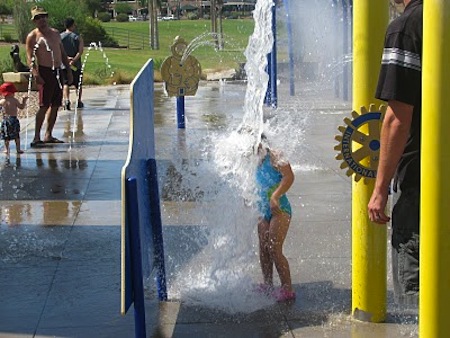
394,135
66,62
29,44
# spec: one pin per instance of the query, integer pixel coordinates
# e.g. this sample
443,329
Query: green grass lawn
125,63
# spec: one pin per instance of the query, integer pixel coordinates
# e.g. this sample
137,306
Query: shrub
192,16
8,37
157,63
93,31
233,15
6,66
104,17
122,17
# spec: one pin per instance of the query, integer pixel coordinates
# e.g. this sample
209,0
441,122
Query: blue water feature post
136,257
155,220
271,98
180,112
273,57
268,96
290,49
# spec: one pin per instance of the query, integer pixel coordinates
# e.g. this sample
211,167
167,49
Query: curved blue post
290,49
180,112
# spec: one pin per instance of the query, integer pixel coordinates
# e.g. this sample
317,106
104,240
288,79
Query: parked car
132,18
168,17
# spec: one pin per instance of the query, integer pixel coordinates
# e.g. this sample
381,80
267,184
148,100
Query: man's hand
377,206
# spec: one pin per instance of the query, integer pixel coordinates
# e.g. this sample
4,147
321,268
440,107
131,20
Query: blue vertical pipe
180,112
290,49
346,51
273,58
155,220
268,97
136,256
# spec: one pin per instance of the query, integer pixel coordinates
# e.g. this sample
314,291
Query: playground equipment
142,243
181,75
337,52
435,184
356,146
369,240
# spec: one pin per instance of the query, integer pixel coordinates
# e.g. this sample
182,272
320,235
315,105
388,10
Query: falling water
221,249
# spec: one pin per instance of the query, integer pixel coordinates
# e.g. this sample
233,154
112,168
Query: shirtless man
45,55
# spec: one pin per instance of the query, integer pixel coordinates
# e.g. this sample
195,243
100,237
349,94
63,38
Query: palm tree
153,6
219,4
216,22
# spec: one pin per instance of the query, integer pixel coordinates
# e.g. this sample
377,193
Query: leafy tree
93,31
21,13
94,6
123,8
59,10
104,16
6,8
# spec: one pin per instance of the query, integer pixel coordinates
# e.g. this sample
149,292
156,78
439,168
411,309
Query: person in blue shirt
274,177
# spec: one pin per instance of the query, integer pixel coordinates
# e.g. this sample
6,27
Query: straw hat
36,10
7,88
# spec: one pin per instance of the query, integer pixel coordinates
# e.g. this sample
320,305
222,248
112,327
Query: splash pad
216,263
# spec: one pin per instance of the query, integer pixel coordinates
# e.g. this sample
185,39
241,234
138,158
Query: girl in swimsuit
274,177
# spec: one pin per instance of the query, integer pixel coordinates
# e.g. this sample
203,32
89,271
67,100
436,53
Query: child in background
9,107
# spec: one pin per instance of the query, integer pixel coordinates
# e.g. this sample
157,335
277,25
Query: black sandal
36,144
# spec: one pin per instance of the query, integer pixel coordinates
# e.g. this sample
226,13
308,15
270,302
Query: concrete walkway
60,231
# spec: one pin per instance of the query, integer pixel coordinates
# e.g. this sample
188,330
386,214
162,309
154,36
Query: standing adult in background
400,85
45,55
73,46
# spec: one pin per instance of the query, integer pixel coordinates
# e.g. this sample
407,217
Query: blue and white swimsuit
268,180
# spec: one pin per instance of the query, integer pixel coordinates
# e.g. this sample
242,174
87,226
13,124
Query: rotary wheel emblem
359,144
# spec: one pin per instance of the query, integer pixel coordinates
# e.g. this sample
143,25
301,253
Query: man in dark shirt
73,46
400,85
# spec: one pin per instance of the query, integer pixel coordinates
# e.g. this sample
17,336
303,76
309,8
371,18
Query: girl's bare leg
279,226
265,258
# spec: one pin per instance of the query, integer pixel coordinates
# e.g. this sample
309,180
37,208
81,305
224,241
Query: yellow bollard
435,180
369,240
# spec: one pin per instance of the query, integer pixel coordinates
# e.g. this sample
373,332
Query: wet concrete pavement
60,228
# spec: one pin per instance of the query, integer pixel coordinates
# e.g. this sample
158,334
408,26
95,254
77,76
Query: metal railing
125,37
8,32
128,39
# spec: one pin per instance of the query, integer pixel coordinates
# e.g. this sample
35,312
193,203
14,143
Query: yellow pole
435,180
369,240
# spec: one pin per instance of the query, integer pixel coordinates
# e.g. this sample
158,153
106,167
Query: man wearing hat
45,56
